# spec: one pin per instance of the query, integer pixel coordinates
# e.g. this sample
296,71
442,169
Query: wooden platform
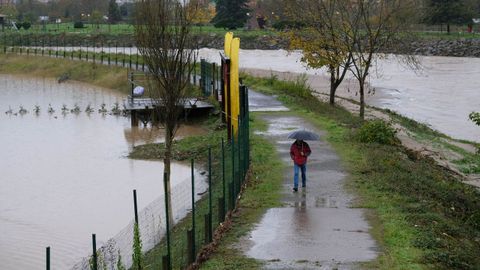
149,103
144,108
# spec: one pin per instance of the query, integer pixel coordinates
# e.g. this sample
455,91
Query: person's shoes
304,186
295,189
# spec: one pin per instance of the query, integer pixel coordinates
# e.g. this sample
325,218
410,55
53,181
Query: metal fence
226,164
119,54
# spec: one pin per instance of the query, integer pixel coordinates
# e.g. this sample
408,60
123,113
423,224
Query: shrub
26,25
475,117
377,131
78,25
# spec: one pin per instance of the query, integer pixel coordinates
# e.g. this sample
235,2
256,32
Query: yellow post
234,83
228,42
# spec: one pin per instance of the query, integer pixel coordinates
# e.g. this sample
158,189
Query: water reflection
65,176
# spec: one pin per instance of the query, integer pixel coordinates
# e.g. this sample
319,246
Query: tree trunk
166,167
362,98
333,87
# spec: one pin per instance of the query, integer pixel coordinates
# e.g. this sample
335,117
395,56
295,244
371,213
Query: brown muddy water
66,176
441,94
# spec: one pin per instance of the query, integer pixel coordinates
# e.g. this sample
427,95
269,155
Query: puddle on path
316,228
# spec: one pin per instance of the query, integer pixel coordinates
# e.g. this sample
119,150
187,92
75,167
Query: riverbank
40,66
424,216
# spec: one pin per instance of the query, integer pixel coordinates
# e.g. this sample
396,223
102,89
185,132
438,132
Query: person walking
299,152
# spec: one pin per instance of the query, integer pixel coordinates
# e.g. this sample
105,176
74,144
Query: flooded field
442,94
66,176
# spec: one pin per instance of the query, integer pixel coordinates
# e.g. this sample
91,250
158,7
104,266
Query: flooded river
66,176
442,94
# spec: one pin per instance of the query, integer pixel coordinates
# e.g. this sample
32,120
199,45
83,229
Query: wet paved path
316,228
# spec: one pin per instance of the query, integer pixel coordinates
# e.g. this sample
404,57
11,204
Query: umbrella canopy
304,135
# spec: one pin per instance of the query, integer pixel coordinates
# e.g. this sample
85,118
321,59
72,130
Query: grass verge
423,217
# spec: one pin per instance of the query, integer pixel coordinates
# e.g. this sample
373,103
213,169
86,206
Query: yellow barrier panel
234,83
227,45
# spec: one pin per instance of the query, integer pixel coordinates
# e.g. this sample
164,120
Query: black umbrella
304,135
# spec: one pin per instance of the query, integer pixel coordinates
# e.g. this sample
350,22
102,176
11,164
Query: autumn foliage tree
323,40
345,35
202,13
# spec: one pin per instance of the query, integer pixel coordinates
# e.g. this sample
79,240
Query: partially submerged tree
323,40
475,117
162,33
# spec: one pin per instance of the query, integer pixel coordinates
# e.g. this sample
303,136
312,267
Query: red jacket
300,152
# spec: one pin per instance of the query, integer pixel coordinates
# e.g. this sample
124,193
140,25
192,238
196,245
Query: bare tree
373,26
162,33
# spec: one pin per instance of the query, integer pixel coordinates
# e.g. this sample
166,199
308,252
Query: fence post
247,113
130,58
94,255
56,49
167,218
239,142
165,262
136,66
48,258
233,162
193,248
221,210
223,175
210,191
208,226
135,209
231,196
